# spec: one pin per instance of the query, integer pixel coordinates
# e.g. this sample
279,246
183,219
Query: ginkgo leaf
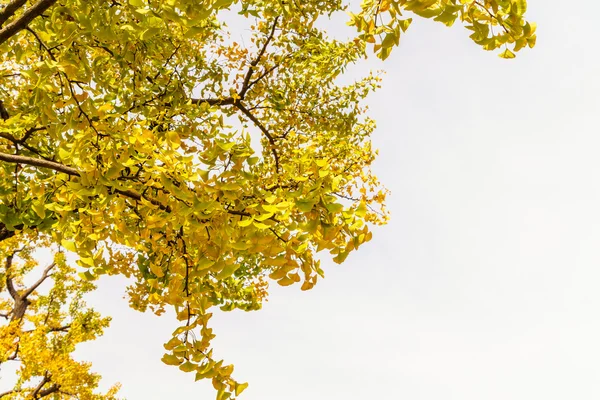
69,245
306,205
240,387
507,54
186,366
170,359
245,222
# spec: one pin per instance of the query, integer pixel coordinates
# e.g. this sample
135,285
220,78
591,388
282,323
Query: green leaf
149,33
228,271
305,205
39,209
205,263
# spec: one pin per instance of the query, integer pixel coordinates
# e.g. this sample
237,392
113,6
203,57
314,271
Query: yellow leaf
69,245
245,222
239,388
170,359
174,139
507,54
187,367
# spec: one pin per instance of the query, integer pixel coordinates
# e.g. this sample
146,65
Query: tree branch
45,276
8,392
254,63
6,233
228,101
21,23
48,391
264,130
36,162
21,142
259,124
9,282
39,392
10,9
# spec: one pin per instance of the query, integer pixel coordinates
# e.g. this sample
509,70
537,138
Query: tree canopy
129,140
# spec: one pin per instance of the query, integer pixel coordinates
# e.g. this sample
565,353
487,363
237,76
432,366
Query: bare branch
21,23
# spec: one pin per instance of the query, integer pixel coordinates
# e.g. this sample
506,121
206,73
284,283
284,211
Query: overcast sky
484,285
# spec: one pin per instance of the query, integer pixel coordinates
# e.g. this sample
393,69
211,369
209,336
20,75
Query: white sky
484,283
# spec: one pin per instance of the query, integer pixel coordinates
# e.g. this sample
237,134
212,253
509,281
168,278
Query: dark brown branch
4,394
264,130
48,391
10,9
259,124
267,72
21,302
45,276
277,235
64,328
39,392
21,142
240,213
14,355
215,102
41,43
254,63
21,23
9,282
6,233
39,387
3,113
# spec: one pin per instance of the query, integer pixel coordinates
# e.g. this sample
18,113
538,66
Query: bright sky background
484,285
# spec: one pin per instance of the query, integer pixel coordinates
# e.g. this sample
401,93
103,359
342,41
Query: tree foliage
129,138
